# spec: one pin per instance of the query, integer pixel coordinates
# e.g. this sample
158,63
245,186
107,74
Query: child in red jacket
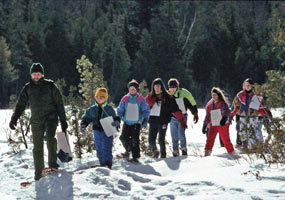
218,117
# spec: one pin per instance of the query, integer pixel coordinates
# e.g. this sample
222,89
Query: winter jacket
212,105
143,108
188,99
96,112
168,109
242,105
44,100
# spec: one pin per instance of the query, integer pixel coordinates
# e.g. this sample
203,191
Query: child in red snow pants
225,136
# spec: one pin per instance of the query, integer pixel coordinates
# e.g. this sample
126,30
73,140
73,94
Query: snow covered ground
193,177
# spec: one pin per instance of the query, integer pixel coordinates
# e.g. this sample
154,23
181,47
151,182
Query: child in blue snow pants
103,146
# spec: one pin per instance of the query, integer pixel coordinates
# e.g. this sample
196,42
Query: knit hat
173,83
101,92
37,67
133,83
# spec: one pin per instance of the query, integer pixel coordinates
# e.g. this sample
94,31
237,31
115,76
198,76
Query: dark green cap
37,67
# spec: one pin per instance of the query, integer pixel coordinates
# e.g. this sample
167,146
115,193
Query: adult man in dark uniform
46,106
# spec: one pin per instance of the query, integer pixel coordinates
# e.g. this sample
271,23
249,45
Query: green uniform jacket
188,99
44,100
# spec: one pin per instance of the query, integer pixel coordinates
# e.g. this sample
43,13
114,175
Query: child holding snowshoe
134,111
218,104
101,109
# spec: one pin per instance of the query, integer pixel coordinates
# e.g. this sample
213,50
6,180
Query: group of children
160,108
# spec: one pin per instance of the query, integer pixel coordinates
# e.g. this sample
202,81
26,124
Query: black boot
163,155
135,160
108,164
38,176
175,153
155,154
184,153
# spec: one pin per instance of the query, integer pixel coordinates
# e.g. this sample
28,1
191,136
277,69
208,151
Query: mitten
115,123
223,121
183,124
144,123
64,125
195,118
237,118
204,129
13,123
269,114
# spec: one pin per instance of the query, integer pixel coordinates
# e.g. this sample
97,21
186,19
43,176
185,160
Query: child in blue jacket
93,114
134,111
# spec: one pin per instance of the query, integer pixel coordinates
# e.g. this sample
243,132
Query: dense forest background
202,43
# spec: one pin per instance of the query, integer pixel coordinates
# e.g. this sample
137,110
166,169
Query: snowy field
194,177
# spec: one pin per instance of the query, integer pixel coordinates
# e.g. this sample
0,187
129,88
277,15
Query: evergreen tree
35,31
144,61
79,34
274,91
3,25
110,53
77,109
7,73
17,40
58,55
102,45
120,70
91,77
203,58
221,42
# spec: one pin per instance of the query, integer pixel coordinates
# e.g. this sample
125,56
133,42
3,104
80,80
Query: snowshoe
123,155
134,161
49,171
45,172
27,183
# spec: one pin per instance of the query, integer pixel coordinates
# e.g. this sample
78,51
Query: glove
269,114
266,119
231,119
63,125
204,129
13,123
116,124
144,123
183,124
223,121
237,118
195,118
82,128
